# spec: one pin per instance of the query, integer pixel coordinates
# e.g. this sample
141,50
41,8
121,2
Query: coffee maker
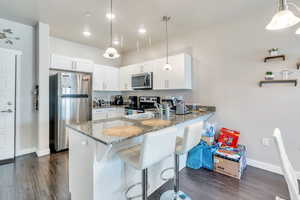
133,102
148,102
118,100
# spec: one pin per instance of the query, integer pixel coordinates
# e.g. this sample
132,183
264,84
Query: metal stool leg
175,194
145,183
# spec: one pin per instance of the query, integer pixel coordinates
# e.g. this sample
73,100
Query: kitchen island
95,170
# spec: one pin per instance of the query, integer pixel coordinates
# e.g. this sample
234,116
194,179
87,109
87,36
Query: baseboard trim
43,152
25,151
267,166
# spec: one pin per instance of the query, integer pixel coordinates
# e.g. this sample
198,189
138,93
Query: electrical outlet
266,141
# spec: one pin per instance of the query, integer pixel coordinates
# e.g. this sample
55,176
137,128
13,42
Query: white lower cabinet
106,113
81,166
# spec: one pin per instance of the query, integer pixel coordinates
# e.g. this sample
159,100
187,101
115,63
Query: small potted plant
269,75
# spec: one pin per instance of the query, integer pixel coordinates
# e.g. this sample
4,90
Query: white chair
191,138
156,147
287,168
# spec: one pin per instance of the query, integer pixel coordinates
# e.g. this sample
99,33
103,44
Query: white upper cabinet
125,77
112,78
61,62
180,77
71,64
144,67
98,78
105,78
82,65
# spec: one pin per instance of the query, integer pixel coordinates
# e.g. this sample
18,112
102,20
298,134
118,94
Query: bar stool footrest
130,188
170,195
164,171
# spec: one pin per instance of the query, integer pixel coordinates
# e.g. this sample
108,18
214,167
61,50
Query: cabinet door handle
7,111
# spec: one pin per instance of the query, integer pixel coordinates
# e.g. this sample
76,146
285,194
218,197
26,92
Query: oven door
142,81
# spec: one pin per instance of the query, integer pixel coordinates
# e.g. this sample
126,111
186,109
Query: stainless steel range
70,101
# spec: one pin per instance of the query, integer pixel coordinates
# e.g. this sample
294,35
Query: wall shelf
275,57
293,81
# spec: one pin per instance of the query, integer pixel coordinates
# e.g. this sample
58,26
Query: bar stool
191,138
156,147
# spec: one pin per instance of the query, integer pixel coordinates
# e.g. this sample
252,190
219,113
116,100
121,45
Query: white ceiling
66,17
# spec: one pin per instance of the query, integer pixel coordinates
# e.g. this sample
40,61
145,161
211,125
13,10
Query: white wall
73,49
25,139
227,65
43,62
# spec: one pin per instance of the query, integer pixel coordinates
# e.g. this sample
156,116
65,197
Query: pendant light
111,52
284,18
167,66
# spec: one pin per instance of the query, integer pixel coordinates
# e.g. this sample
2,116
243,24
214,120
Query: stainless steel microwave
142,81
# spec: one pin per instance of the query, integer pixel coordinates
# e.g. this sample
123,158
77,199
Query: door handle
7,111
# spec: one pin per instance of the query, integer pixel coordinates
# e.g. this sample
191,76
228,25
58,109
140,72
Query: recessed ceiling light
116,42
86,33
110,16
142,30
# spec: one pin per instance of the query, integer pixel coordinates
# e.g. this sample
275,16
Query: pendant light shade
111,52
284,18
167,66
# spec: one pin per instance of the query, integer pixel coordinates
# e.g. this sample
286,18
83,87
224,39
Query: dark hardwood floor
46,178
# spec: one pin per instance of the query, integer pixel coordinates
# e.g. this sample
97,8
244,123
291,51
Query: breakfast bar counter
96,172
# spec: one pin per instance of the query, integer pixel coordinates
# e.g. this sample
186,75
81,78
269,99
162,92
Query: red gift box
229,137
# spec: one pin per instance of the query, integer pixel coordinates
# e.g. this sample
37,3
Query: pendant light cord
167,39
111,14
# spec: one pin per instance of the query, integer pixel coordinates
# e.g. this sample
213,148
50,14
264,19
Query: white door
7,104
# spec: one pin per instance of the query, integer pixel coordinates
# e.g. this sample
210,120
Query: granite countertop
95,129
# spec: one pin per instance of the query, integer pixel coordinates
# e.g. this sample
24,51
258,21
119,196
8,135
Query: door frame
18,56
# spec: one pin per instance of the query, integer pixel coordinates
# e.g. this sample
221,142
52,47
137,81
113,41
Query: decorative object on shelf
269,75
293,81
111,52
284,18
167,66
6,34
275,57
274,52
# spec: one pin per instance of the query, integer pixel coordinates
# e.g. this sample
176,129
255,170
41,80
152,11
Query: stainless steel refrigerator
70,102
